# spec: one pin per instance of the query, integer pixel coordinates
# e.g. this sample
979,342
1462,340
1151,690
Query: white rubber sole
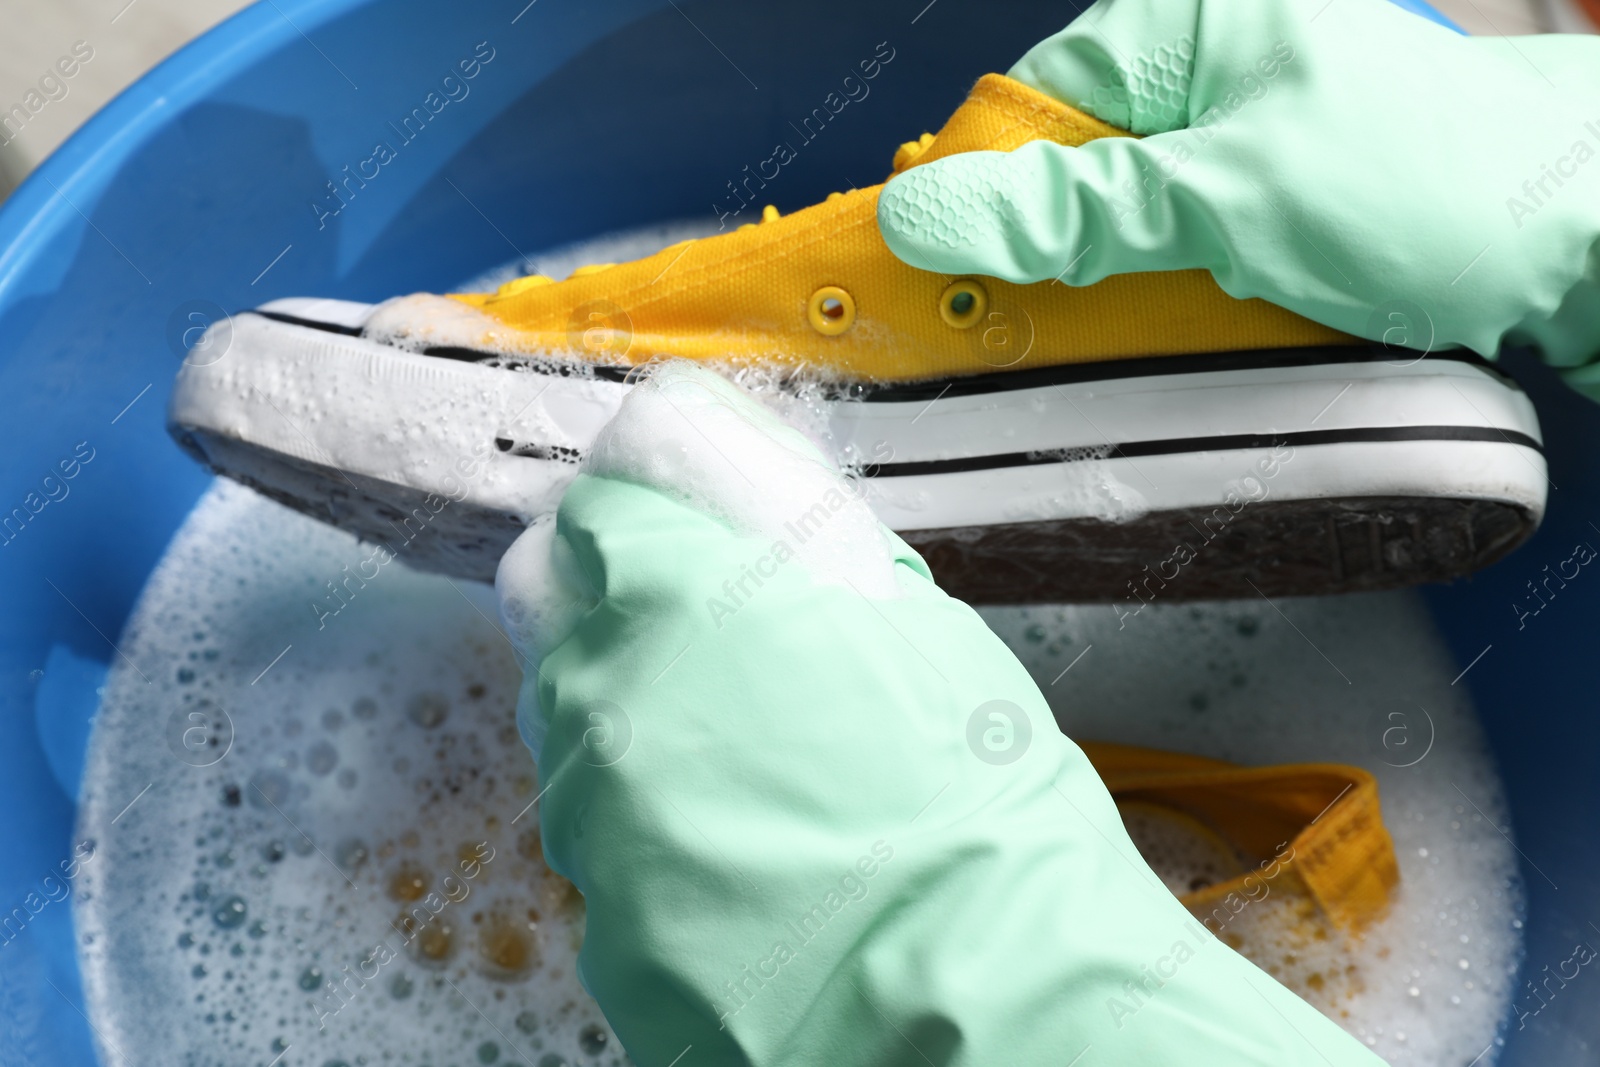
1099,457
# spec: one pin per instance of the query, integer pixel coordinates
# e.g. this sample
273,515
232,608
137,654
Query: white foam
312,388
541,589
1231,681
693,434
383,744
423,320
542,593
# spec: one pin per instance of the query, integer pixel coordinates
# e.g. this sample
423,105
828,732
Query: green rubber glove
1345,159
818,811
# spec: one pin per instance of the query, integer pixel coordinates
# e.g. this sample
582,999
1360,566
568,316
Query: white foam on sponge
543,593
693,435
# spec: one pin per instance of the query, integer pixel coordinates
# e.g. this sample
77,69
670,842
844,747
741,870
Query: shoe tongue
1001,114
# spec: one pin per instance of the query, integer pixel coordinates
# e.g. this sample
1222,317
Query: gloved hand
1345,159
818,811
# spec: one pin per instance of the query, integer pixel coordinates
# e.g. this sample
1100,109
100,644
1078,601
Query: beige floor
125,38
1503,18
123,41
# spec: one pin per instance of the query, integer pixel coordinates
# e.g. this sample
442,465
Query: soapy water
327,851
319,838
1360,679
259,894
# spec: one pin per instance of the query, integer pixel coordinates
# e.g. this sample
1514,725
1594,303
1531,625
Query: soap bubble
593,1039
230,912
322,759
351,853
428,709
268,790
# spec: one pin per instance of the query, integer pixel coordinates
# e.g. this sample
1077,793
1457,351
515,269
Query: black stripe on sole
1272,547
1220,443
1151,366
311,324
988,382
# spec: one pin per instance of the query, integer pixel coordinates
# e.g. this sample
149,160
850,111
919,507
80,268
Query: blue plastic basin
206,183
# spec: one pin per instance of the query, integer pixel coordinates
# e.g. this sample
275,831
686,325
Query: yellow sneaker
1145,437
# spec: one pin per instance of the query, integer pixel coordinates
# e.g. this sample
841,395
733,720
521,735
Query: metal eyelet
831,310
963,304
